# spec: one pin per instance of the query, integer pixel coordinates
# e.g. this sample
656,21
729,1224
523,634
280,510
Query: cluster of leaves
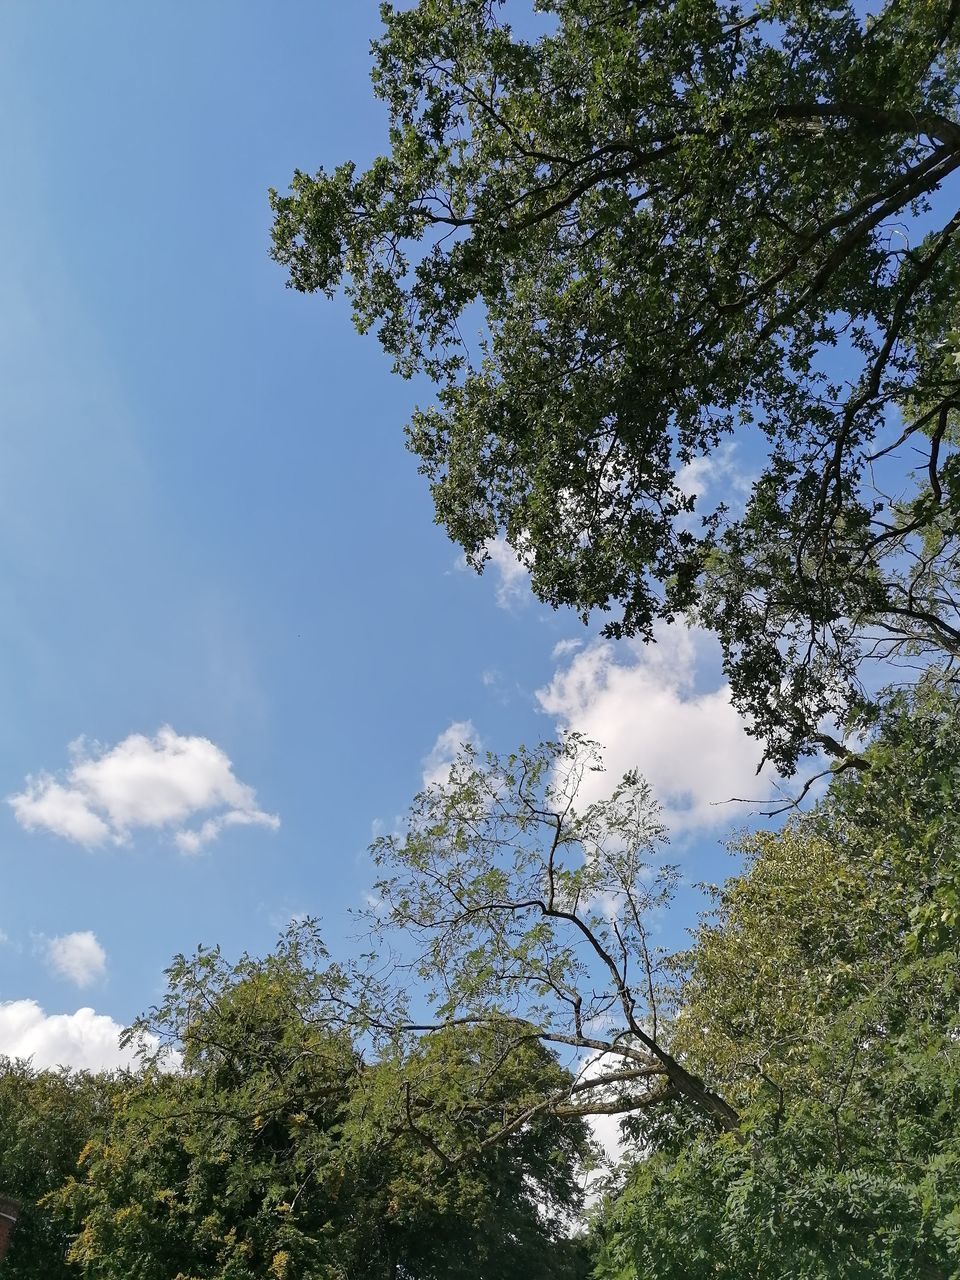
677,222
46,1119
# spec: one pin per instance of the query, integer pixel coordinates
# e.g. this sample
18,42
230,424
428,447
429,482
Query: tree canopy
276,1149
677,224
790,1081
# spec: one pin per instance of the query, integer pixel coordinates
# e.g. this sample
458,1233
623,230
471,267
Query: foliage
905,806
821,1003
463,1198
46,1119
275,1150
678,223
523,913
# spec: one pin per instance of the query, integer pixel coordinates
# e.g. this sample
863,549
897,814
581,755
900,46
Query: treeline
275,1148
789,1087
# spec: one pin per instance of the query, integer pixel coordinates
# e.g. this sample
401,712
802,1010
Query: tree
46,1120
275,1150
521,913
220,1167
462,1190
678,223
822,1000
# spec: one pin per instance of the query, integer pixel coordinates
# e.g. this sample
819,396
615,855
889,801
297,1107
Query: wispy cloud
78,957
511,578
436,765
563,648
159,783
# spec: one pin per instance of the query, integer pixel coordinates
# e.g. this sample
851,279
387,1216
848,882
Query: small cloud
702,474
436,766
194,841
78,957
142,783
379,827
513,580
283,916
565,647
489,678
374,905
512,576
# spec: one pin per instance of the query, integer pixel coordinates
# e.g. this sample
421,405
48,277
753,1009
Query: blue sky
208,521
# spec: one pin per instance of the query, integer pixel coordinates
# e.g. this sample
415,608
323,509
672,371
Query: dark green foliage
792,1083
277,1152
452,1194
678,223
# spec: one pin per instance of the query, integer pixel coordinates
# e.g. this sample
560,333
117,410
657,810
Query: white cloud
642,704
702,474
606,1132
563,648
436,766
193,841
142,783
83,1040
45,804
605,1129
78,957
513,580
512,577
